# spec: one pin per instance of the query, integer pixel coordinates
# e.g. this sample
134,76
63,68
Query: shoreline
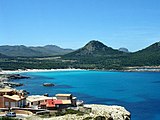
38,70
78,69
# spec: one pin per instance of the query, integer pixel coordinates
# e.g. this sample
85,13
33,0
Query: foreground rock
98,112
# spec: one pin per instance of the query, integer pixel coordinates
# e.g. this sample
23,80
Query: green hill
96,55
94,49
145,57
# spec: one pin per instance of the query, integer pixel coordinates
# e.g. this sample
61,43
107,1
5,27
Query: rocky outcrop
124,50
98,112
16,76
5,77
110,112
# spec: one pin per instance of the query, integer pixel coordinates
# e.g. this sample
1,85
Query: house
13,101
5,91
36,100
61,101
12,98
63,96
55,104
66,98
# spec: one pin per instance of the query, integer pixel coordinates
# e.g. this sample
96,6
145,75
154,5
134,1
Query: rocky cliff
98,112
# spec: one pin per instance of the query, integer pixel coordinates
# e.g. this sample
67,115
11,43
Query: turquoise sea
138,92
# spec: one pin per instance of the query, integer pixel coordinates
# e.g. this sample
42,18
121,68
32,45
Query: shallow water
138,92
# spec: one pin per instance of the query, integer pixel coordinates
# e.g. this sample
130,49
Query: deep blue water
138,92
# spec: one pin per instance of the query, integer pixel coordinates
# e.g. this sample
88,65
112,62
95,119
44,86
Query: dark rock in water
16,76
48,84
12,84
46,94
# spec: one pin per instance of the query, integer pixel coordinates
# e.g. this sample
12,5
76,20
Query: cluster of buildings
10,98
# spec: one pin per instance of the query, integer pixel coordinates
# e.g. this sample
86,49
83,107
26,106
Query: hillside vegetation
94,55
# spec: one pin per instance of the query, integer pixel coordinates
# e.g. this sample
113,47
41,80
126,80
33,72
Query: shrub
100,118
8,118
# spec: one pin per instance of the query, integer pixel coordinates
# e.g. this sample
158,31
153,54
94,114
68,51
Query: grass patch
69,111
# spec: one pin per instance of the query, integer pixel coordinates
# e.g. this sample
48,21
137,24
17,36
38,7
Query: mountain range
24,51
94,55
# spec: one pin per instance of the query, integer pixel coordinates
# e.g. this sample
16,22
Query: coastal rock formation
5,77
16,76
110,112
98,112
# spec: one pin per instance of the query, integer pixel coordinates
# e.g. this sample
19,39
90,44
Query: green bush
68,111
8,118
110,118
100,118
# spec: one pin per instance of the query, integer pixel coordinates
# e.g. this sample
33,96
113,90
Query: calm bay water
138,92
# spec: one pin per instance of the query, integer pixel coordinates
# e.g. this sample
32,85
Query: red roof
58,102
51,102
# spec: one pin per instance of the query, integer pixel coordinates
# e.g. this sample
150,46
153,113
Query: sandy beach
37,70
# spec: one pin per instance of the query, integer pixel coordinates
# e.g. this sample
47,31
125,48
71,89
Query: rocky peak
123,50
95,46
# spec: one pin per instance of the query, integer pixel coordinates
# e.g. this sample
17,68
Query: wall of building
34,103
64,97
12,103
1,102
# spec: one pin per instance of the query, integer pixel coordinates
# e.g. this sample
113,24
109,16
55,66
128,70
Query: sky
134,24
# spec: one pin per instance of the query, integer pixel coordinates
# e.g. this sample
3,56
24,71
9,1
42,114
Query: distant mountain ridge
52,50
24,51
94,55
94,52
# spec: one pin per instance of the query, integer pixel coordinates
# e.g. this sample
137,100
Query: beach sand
37,70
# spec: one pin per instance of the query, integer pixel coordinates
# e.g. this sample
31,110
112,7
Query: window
7,104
